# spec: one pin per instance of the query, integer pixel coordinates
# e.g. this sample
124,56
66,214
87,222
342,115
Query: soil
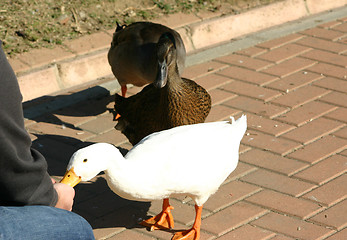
27,24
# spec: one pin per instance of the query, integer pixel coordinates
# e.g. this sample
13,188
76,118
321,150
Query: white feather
192,160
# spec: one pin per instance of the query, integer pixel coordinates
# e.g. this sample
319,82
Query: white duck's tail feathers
243,118
240,124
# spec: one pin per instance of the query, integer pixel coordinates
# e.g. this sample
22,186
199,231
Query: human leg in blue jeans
42,222
32,205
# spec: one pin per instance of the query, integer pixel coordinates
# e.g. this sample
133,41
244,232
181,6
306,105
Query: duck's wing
139,113
195,103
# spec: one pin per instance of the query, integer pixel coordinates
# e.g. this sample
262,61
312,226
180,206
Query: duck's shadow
56,109
104,209
94,200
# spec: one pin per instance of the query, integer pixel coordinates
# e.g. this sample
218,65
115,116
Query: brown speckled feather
180,102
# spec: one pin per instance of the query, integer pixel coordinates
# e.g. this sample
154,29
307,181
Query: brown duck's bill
70,178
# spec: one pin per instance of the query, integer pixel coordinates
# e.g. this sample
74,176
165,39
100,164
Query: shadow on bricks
94,200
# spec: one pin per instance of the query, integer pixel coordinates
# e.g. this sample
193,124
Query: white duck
191,160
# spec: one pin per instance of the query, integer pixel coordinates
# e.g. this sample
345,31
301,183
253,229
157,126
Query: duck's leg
124,90
163,220
194,232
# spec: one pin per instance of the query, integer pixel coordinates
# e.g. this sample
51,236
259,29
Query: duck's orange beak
70,178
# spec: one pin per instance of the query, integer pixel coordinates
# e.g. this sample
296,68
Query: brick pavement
291,181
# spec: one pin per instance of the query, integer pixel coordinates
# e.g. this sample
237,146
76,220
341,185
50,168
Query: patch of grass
27,24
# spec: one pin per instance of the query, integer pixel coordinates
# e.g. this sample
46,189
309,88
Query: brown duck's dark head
166,54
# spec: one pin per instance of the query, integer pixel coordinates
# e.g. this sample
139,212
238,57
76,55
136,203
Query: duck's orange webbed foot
191,234
194,232
163,220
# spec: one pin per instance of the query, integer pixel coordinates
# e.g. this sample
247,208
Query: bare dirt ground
27,24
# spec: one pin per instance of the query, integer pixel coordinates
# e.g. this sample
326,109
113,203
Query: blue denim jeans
42,222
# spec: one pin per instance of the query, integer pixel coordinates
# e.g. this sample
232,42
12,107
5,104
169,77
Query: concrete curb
49,71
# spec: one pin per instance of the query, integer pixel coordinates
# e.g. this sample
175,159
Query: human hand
66,195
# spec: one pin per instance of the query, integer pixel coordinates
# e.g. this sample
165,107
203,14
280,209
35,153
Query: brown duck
132,53
168,102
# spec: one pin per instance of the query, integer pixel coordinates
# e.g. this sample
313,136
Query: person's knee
42,222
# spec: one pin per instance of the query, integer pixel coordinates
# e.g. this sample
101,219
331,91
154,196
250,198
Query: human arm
23,171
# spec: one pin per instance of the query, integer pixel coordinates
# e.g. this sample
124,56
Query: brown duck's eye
85,160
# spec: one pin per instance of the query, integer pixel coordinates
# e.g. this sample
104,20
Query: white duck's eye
85,160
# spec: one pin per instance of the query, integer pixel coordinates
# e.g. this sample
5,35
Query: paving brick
244,61
41,82
337,98
60,130
265,125
328,25
273,162
255,106
340,27
269,143
228,194
130,235
231,217
247,75
244,148
285,204
159,234
294,81
99,125
54,149
278,182
88,43
241,170
212,81
220,112
72,116
323,33
288,67
325,170
341,133
281,237
300,96
278,42
202,69
103,204
306,113
327,57
250,90
283,53
333,217
219,96
95,106
251,51
292,227
113,136
319,149
322,44
344,41
115,222
329,70
339,235
247,232
330,193
313,130
333,84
